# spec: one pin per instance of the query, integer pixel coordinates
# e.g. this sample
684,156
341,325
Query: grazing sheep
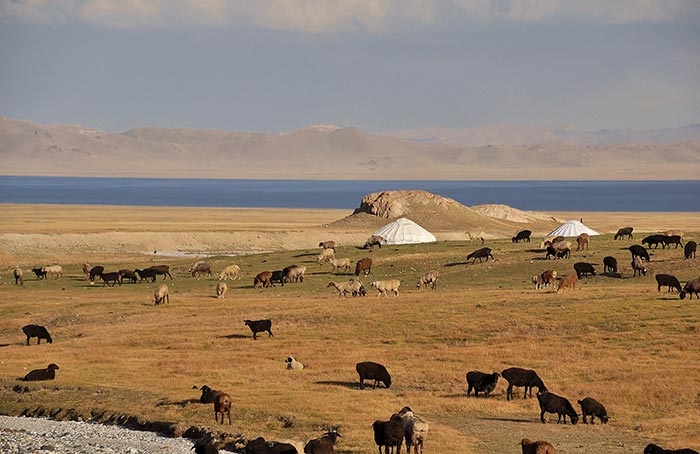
639,251
55,270
567,281
537,281
484,253
549,278
553,252
232,272
516,376
221,290
129,275
278,276
592,407
260,446
363,266
39,273
368,370
327,244
208,394
638,267
672,239
357,287
523,235
112,277
343,288
690,288
222,404
690,249
37,331
324,444
17,273
668,280
429,279
582,241
326,255
379,429
145,274
481,381
259,326
536,447
415,430
340,263
42,374
296,274
393,434
264,279
161,294
552,241
654,240
624,231
374,240
551,403
86,269
293,364
95,272
161,270
200,268
582,269
655,449
391,285
610,264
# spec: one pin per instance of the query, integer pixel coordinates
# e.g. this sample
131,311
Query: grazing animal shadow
488,418
4,345
611,274
344,384
456,264
306,254
235,336
536,251
181,403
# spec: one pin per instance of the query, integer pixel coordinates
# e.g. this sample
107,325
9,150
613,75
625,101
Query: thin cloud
325,16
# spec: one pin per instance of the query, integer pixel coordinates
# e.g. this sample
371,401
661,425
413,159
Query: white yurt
404,231
572,228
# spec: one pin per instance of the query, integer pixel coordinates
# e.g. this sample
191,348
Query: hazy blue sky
380,65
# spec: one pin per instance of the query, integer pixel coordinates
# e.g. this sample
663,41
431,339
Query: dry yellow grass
617,340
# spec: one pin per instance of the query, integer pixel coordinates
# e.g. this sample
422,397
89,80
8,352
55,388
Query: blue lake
526,195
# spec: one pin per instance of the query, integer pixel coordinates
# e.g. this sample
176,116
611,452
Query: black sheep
551,403
610,264
672,239
481,382
324,444
655,240
592,407
39,272
42,374
278,276
668,280
95,271
655,449
129,275
483,253
161,269
393,433
261,446
639,251
379,428
368,370
259,326
146,274
583,269
624,231
516,376
37,331
523,235
690,249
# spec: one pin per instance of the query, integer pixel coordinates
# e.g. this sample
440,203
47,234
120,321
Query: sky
379,65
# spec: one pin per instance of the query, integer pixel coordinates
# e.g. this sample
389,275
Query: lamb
340,263
582,241
690,288
293,364
583,269
39,273
129,275
221,290
592,407
37,331
374,240
624,231
260,446
326,256
17,273
97,271
200,268
668,280
42,374
429,279
567,281
161,269
481,253
610,264
481,381
327,244
551,403
324,444
415,430
517,376
145,274
654,240
296,274
391,285
368,370
655,449
363,266
638,267
112,277
161,294
523,235
639,251
264,279
259,326
55,270
690,249
232,272
536,447
549,278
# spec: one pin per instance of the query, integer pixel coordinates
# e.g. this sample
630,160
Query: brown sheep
222,404
264,279
582,241
363,266
327,244
536,447
568,281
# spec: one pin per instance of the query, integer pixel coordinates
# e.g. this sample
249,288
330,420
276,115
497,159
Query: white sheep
161,295
232,271
221,290
326,256
391,285
56,270
429,279
295,274
293,364
353,287
340,263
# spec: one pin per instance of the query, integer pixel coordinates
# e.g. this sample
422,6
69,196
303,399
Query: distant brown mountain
321,152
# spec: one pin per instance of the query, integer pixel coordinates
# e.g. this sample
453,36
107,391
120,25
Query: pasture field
615,339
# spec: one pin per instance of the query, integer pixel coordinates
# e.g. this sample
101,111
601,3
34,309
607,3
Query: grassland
615,339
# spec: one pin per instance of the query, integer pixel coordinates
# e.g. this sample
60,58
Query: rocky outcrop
394,204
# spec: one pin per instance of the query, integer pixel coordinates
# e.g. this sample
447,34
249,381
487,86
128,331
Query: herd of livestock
403,425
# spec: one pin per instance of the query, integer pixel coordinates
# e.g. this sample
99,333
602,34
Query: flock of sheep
403,425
